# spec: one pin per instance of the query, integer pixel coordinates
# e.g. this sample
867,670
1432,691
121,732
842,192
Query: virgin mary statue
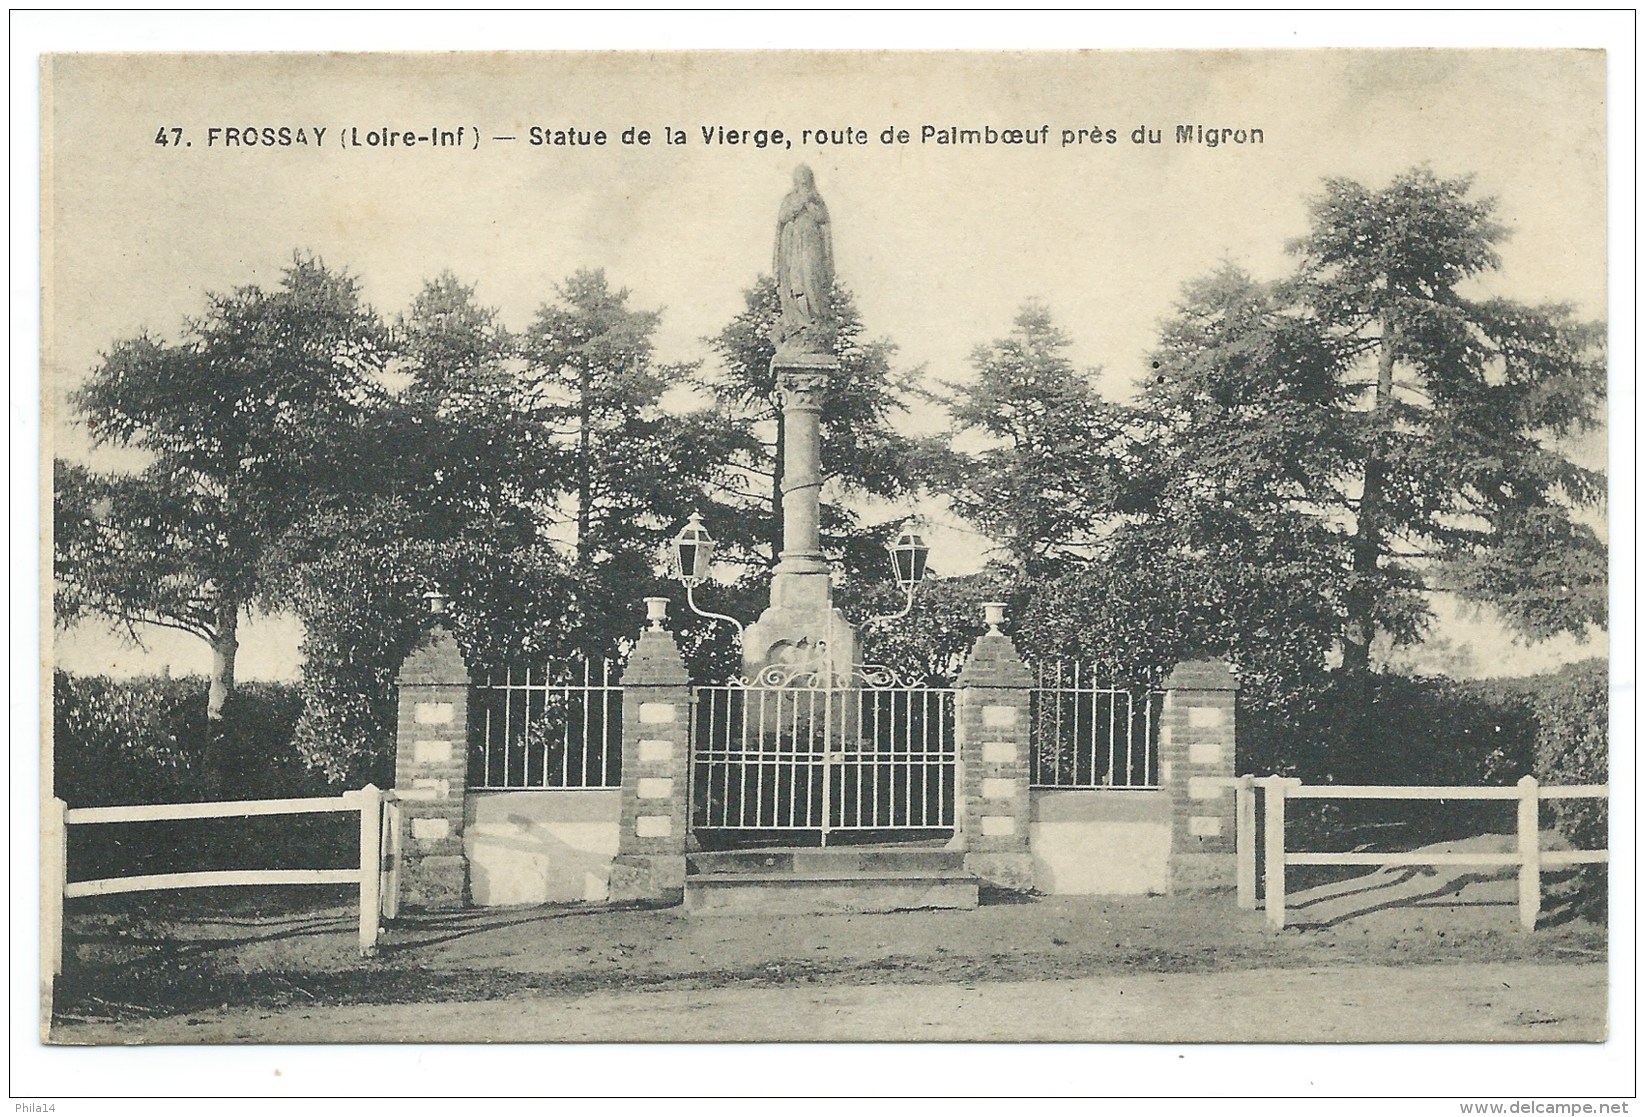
803,263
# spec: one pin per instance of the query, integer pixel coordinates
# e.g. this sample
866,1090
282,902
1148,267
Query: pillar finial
656,611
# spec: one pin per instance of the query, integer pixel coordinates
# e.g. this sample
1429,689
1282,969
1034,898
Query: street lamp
908,553
690,556
693,552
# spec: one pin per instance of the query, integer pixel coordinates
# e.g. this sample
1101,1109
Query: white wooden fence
1278,790
379,813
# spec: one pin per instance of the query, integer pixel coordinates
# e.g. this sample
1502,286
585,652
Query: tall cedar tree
631,470
1244,435
1051,471
247,424
1323,454
1458,479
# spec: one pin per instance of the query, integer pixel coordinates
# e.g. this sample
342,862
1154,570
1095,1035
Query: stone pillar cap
994,662
436,661
1202,674
656,661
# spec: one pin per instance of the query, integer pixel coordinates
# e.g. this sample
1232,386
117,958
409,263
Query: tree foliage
1457,477
247,424
1308,460
1242,432
930,645
1051,470
533,478
629,469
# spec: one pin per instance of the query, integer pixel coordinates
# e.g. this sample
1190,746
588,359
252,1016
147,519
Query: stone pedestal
801,629
431,773
1197,763
992,726
650,862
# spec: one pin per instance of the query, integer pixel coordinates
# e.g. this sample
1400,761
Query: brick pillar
650,862
431,773
991,727
1197,758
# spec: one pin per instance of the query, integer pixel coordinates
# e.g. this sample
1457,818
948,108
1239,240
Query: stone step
827,862
785,893
806,880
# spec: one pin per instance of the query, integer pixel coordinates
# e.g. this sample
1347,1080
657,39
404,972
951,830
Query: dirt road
1412,955
1469,1002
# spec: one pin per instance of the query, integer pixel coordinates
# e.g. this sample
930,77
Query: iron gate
806,755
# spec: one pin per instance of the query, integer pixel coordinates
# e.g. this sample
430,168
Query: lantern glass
908,557
693,551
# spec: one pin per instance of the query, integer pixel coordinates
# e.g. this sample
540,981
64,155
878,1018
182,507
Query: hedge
142,740
1405,730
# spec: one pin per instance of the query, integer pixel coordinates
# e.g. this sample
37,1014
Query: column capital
803,379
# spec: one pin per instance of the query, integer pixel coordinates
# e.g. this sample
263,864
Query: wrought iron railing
799,754
1085,733
547,729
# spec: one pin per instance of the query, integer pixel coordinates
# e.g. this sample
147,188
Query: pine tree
633,470
1050,474
1459,480
1366,433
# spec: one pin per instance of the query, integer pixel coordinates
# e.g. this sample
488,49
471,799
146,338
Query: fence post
1273,852
370,801
54,849
391,858
1245,841
431,771
1198,750
993,809
655,814
1530,853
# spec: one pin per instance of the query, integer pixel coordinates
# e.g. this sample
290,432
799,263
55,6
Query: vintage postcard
1087,546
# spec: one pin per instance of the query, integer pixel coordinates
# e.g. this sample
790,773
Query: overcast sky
941,244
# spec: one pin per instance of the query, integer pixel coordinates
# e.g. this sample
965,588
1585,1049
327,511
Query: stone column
650,862
801,626
801,388
1197,763
431,772
991,726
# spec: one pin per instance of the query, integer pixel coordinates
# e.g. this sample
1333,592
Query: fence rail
558,728
1277,790
376,873
1085,735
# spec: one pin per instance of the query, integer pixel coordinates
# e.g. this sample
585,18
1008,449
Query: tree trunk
1368,534
225,646
584,469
